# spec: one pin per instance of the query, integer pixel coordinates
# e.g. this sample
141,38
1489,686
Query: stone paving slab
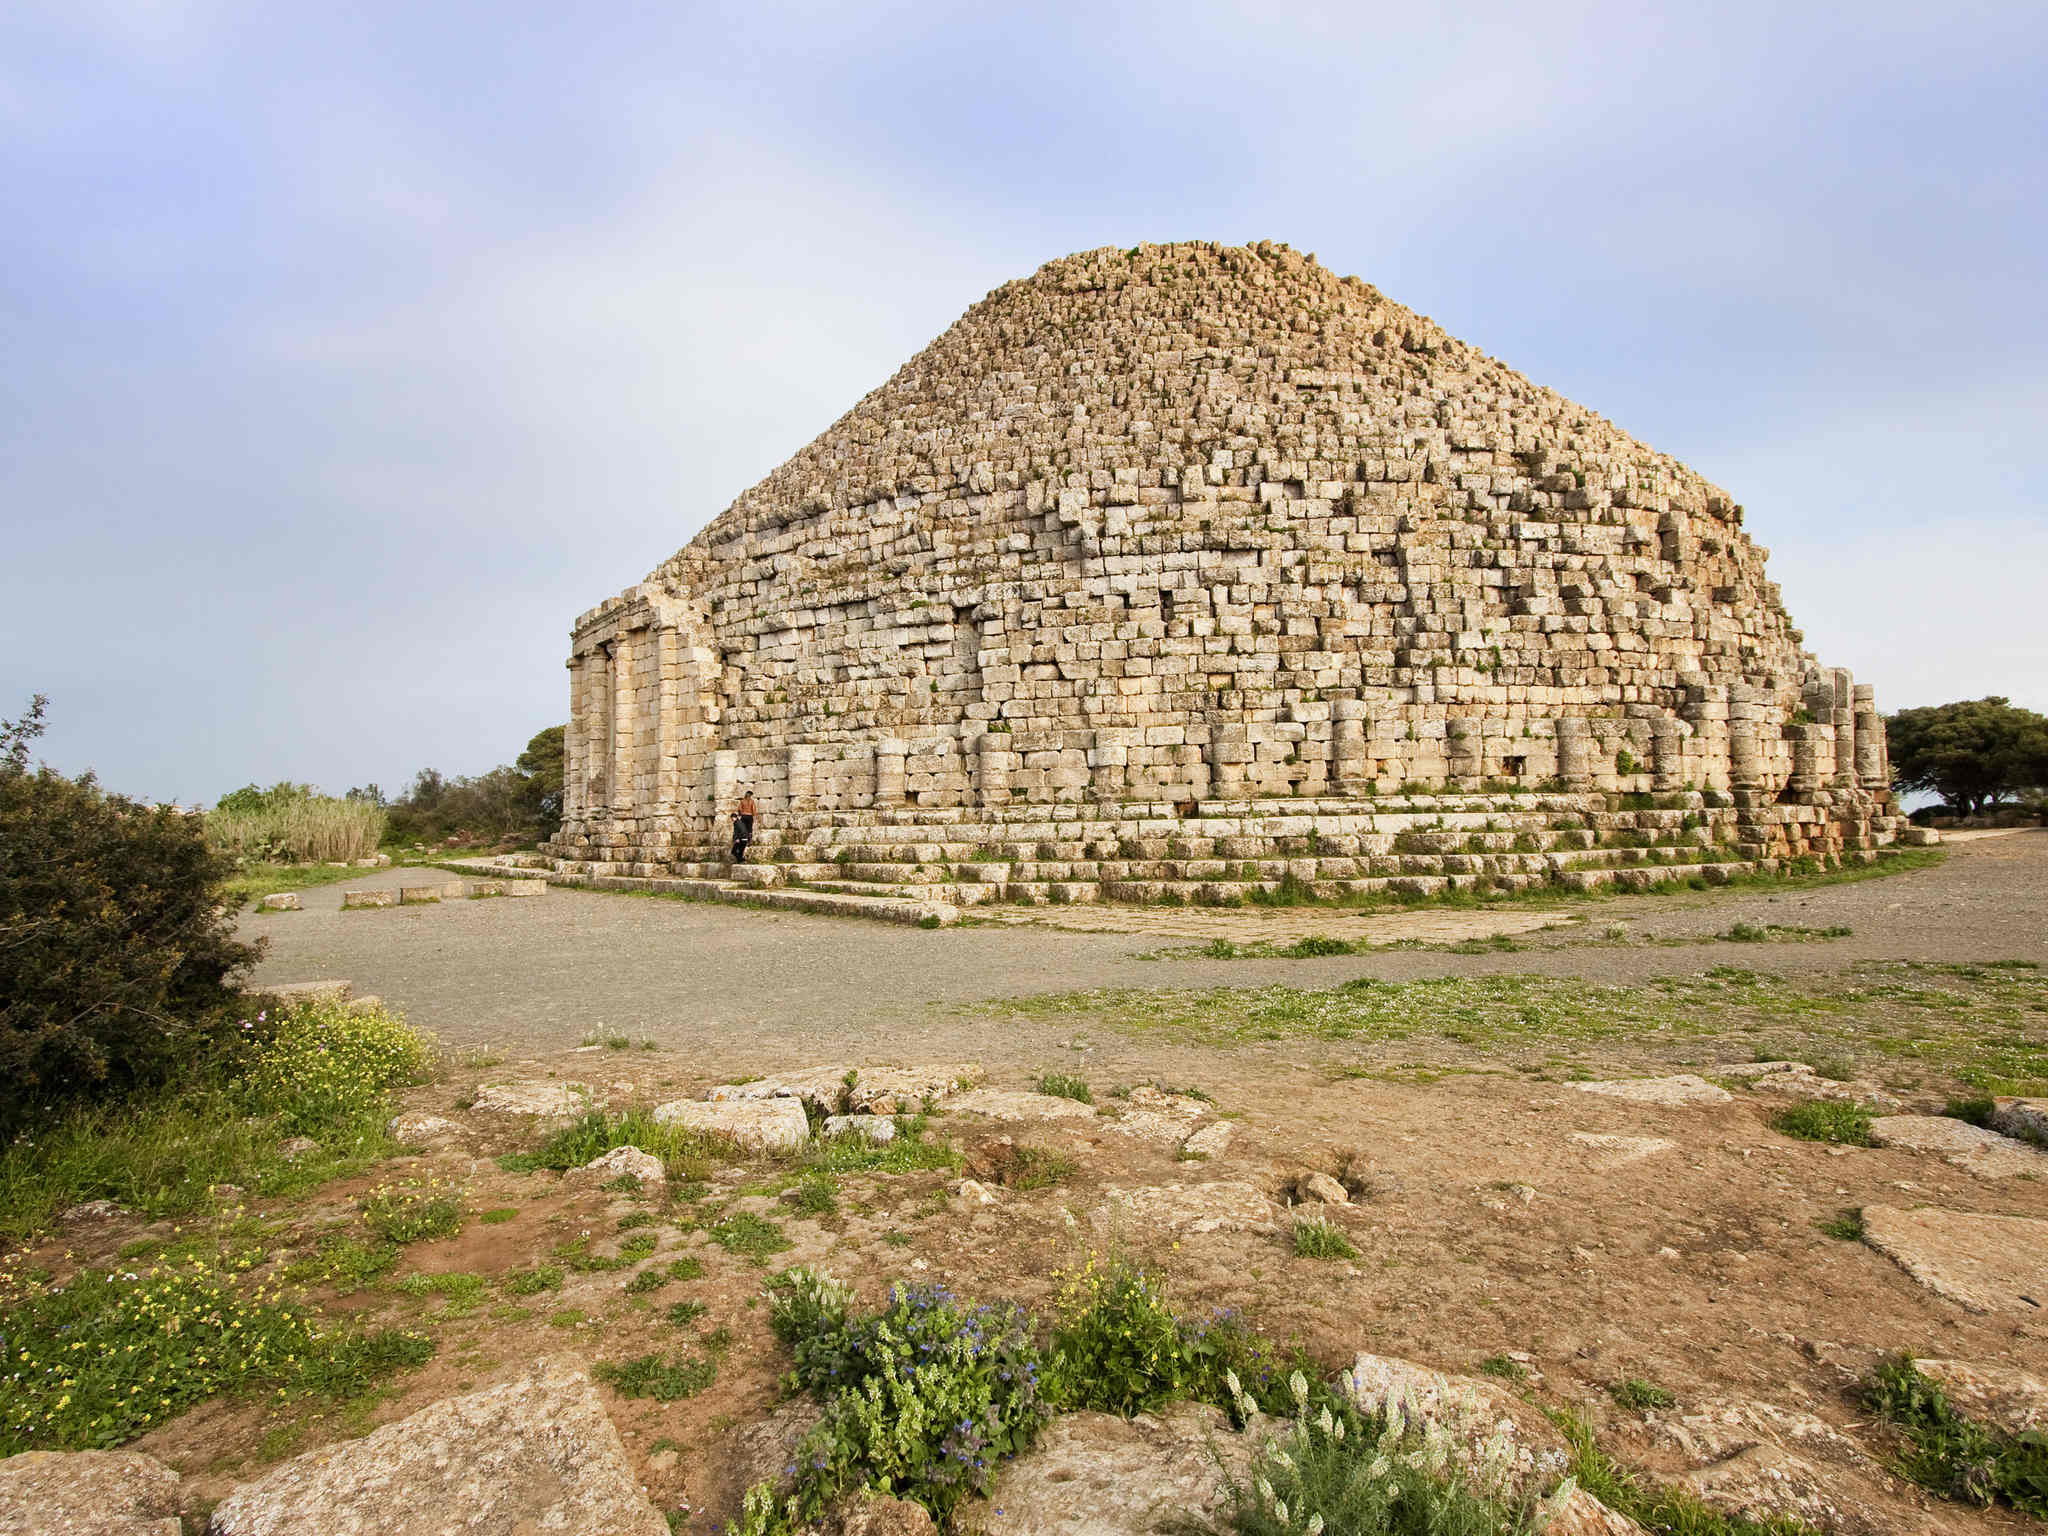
1683,1090
1982,1263
1984,1153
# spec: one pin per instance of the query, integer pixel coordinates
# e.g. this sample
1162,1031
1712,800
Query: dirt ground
1484,1226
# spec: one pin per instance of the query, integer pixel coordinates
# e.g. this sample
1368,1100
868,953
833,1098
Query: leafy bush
107,1356
1119,1347
1826,1120
1956,1456
115,970
930,1395
325,1066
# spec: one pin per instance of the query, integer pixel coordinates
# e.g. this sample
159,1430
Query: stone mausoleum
1190,571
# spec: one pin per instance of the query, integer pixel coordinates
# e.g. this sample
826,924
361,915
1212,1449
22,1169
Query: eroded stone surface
283,901
876,1128
533,1454
1983,1263
1211,1140
771,1124
883,1090
545,1098
1218,1206
2007,1398
1002,1104
1475,1412
1614,1150
624,1162
87,1493
417,1129
1680,1091
1094,1474
1984,1153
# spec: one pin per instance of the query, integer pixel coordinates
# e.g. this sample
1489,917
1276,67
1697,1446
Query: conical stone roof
1185,506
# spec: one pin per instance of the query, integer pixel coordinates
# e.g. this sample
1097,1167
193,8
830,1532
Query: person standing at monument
743,825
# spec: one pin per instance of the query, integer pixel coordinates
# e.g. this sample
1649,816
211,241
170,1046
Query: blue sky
352,351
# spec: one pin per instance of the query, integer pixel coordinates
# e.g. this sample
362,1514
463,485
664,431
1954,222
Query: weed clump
1060,1086
1316,1238
1954,1455
1846,1125
665,1379
1638,1394
412,1212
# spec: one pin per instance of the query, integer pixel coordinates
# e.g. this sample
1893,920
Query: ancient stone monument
1169,572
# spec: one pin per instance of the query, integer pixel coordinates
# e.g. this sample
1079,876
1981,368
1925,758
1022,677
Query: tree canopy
1973,753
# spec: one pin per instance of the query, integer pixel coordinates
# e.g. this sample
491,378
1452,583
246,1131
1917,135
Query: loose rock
1320,1186
2010,1400
876,1128
535,1453
1210,1140
759,1124
624,1162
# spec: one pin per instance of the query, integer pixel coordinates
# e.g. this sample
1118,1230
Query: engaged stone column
573,743
1745,745
622,723
1871,769
1667,753
993,765
725,787
802,778
1843,718
889,771
1109,762
1464,753
1574,751
1350,765
1229,750
1812,754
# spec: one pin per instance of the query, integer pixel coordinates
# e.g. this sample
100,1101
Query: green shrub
928,1396
114,974
1060,1086
106,1356
1826,1120
1954,1455
1118,1346
1846,1225
851,1152
325,1067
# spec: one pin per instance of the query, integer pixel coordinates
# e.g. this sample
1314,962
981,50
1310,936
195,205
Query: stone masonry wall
1191,523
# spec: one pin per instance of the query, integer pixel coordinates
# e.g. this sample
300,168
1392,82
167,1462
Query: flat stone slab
1678,1092
1221,1206
1094,1474
548,1098
1002,1104
763,1124
353,900
420,895
1972,1148
1982,1263
1613,1151
536,1453
87,1493
423,1130
1211,1140
2007,1398
883,1090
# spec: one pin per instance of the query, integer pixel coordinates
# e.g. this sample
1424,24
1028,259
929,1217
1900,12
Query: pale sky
350,352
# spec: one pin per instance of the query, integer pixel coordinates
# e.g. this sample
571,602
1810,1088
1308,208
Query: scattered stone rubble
1156,575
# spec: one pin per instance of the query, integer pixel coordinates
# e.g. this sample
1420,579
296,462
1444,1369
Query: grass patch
1317,1238
343,1262
313,1069
815,1196
1953,1455
108,1355
531,1282
1846,1125
412,1212
1972,1109
686,1268
1845,1225
1503,1367
1038,1168
1060,1086
750,1236
681,1314
463,1293
1662,1511
1637,1394
665,1379
685,1154
497,1215
852,1152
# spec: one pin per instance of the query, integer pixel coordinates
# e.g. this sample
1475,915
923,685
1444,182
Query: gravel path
724,985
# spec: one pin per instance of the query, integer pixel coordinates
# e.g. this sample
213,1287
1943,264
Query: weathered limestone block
352,900
283,901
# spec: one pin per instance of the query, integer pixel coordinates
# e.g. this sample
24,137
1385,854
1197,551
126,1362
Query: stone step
893,908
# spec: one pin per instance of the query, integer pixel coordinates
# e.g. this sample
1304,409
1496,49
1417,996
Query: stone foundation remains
1168,571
